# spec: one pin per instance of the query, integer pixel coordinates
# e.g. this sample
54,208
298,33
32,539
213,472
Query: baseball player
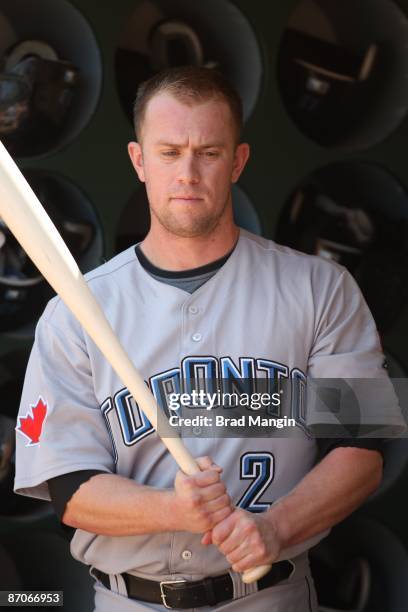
198,295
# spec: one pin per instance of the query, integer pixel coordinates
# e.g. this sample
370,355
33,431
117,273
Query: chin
184,232
192,229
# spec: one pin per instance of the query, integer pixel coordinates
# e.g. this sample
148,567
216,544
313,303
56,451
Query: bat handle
254,574
251,575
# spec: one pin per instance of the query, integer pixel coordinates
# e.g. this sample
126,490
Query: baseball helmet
170,42
23,290
36,93
339,213
325,86
174,43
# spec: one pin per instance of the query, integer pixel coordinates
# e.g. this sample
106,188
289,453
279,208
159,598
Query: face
188,159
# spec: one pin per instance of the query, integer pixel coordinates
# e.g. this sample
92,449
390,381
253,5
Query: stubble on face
193,222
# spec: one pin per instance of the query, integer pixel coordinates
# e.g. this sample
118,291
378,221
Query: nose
188,173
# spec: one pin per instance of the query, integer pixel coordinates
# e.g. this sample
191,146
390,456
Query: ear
240,159
136,157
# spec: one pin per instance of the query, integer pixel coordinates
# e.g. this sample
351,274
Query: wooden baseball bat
30,224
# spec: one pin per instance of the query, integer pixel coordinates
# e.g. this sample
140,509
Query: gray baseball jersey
269,311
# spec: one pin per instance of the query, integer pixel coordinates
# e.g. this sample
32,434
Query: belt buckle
163,594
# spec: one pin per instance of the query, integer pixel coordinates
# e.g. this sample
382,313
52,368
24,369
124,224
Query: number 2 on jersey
260,467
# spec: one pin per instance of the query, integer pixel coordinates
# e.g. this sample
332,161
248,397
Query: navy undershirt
188,280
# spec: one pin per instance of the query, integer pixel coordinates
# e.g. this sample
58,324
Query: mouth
186,198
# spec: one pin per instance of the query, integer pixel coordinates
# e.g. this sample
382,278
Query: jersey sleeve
60,427
346,342
347,348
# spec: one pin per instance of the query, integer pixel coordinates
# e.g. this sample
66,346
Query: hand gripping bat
30,224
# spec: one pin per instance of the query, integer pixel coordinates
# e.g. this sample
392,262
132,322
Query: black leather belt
182,594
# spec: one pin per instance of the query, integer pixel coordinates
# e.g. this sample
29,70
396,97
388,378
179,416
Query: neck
171,252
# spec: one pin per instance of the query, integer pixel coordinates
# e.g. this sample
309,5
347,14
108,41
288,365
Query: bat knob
255,573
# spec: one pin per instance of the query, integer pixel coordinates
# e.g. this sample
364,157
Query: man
198,293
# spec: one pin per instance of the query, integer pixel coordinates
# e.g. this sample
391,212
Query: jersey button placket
185,559
191,314
186,555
